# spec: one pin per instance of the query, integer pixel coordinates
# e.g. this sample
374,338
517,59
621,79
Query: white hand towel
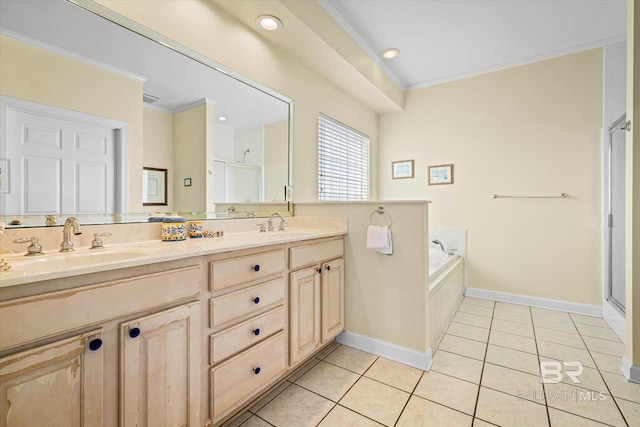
379,239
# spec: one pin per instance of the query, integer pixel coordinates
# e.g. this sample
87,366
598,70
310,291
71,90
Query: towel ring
381,211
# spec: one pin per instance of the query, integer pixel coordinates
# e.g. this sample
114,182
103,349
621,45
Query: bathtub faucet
448,252
438,242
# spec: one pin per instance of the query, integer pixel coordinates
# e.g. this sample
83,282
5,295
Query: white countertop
56,265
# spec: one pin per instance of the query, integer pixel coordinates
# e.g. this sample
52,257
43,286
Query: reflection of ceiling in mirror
176,80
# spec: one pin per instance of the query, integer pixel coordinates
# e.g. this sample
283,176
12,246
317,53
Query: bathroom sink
65,261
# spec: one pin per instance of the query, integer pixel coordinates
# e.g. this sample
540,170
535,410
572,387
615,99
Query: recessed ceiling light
269,22
222,118
390,53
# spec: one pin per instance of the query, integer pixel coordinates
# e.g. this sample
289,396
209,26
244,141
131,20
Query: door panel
60,163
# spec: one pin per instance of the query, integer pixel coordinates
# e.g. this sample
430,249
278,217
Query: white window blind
343,161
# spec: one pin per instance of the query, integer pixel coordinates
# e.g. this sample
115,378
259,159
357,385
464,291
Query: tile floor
486,371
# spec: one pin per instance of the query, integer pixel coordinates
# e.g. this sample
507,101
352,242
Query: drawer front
233,381
29,319
234,271
240,304
301,256
246,334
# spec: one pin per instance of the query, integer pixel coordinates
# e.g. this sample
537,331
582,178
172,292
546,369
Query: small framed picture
187,182
441,174
402,169
154,187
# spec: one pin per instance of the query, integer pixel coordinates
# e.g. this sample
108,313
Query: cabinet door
160,369
304,321
332,299
59,384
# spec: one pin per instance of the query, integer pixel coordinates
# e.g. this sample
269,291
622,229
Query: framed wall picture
402,169
441,174
155,187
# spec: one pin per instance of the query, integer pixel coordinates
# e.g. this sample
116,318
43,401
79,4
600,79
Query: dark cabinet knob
256,370
256,331
95,344
320,270
256,267
256,300
328,268
134,332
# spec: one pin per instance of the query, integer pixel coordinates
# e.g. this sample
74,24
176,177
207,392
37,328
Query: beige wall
158,149
247,52
189,158
530,130
386,297
34,74
633,187
275,163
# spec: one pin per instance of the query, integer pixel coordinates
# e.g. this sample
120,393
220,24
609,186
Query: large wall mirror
88,104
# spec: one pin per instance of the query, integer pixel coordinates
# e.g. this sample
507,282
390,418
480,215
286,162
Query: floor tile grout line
544,390
602,377
484,361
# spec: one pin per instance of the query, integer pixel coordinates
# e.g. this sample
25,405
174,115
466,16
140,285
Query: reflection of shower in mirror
244,155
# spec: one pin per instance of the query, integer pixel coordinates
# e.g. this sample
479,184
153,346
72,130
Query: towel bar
561,196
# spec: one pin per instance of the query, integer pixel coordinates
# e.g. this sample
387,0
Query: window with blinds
343,161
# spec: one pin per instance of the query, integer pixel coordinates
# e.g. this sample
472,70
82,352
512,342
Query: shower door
617,214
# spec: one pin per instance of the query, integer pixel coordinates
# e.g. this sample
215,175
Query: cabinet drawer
32,318
233,381
234,271
301,256
240,304
246,334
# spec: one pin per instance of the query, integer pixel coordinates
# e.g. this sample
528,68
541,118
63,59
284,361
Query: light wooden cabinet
67,377
316,297
260,310
304,312
59,384
332,299
160,369
248,345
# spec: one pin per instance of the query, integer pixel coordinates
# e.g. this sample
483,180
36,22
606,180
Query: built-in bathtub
446,289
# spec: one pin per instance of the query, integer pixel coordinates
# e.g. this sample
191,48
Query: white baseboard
630,371
615,320
387,350
552,304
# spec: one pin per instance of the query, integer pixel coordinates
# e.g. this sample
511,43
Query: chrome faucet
282,221
69,224
449,252
438,242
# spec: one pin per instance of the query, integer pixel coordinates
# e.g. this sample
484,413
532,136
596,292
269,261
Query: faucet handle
50,220
282,224
96,243
262,227
34,248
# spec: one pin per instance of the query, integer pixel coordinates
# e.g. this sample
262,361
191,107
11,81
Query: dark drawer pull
134,332
256,370
95,344
256,331
256,267
256,300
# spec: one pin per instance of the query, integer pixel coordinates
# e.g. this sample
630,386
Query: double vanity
155,333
